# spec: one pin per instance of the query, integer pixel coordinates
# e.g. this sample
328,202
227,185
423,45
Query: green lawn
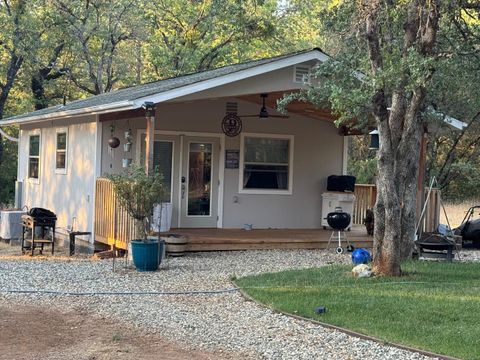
435,307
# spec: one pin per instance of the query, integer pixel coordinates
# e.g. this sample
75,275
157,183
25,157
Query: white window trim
30,134
61,171
289,191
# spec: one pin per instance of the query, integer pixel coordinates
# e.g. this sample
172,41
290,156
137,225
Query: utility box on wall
332,200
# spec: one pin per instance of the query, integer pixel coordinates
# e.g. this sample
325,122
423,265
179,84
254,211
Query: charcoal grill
43,219
339,222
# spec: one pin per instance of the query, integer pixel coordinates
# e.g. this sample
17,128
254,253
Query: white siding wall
68,195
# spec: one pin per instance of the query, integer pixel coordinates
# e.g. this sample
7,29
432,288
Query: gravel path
207,322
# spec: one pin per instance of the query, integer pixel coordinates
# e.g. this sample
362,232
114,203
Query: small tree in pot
138,193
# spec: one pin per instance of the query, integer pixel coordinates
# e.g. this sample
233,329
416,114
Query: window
301,74
34,156
266,164
61,152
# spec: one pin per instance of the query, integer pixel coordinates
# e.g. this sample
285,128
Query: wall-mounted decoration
126,162
113,142
232,159
231,125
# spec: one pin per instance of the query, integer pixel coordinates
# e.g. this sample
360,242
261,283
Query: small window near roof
302,74
34,156
61,152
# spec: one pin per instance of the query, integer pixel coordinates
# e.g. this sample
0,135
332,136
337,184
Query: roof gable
159,91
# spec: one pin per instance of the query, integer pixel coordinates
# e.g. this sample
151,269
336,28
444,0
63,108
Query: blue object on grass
361,256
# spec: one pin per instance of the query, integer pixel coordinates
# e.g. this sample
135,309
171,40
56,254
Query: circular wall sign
231,125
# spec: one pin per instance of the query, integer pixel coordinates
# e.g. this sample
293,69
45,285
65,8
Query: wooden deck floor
239,239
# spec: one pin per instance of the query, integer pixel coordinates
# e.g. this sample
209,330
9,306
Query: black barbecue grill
339,221
38,218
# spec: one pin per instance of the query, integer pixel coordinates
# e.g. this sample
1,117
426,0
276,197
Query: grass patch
435,307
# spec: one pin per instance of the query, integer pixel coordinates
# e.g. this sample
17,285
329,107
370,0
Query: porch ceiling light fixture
374,140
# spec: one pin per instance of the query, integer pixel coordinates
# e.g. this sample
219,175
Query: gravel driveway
198,321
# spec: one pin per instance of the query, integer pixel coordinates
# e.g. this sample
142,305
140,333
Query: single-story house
222,173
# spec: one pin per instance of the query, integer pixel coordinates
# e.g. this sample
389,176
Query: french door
190,169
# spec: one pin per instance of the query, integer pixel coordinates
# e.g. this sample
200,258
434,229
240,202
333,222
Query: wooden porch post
150,136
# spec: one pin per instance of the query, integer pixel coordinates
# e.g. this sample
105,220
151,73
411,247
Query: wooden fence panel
365,197
113,225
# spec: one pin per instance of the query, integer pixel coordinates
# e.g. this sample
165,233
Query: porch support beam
150,136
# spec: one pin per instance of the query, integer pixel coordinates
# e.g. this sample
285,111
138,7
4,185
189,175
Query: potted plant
138,193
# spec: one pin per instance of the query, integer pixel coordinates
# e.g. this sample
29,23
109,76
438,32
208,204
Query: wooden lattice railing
366,194
113,225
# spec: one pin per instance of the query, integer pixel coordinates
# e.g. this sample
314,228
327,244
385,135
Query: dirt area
38,333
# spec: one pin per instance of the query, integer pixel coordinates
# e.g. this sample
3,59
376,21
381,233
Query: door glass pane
162,161
199,179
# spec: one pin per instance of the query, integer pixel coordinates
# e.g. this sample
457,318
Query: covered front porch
114,227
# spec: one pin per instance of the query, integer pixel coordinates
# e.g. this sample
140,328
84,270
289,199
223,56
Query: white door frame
221,165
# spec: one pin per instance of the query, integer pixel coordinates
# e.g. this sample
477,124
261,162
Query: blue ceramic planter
147,256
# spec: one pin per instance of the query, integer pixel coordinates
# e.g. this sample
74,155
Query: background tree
97,31
190,36
453,155
12,39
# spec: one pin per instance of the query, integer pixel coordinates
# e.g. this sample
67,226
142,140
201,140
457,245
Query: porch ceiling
300,108
296,107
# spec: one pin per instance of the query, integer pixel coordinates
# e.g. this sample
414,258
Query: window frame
32,133
61,171
241,189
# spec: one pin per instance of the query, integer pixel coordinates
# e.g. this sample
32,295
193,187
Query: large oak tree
383,71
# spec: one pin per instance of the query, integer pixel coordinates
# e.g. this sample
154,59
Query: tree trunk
400,129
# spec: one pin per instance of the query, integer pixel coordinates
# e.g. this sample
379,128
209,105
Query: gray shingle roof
152,88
